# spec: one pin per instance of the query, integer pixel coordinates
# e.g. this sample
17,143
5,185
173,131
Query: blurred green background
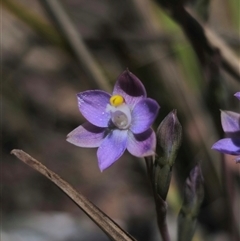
47,59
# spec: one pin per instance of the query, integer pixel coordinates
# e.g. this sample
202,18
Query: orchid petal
143,115
228,146
143,144
86,135
237,95
92,104
230,121
112,147
130,88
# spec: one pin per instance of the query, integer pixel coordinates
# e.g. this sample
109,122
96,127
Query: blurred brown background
47,59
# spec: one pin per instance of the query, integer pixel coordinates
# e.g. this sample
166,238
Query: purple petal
130,87
228,146
92,104
112,147
143,144
237,95
143,115
230,121
86,135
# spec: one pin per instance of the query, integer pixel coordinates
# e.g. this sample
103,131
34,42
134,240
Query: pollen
116,100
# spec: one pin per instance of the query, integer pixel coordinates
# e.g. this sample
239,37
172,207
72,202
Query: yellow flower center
116,100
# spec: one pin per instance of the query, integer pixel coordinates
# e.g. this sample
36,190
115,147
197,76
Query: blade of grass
35,22
69,31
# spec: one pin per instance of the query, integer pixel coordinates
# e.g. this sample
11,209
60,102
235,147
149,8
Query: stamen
116,100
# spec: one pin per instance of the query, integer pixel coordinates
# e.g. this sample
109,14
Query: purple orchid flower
117,122
231,126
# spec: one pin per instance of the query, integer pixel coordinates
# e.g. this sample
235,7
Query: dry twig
113,231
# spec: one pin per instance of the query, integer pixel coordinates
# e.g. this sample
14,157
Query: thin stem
161,205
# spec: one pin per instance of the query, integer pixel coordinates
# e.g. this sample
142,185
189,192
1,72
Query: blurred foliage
41,76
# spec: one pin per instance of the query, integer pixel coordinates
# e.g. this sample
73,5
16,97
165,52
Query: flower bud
169,137
194,193
193,197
